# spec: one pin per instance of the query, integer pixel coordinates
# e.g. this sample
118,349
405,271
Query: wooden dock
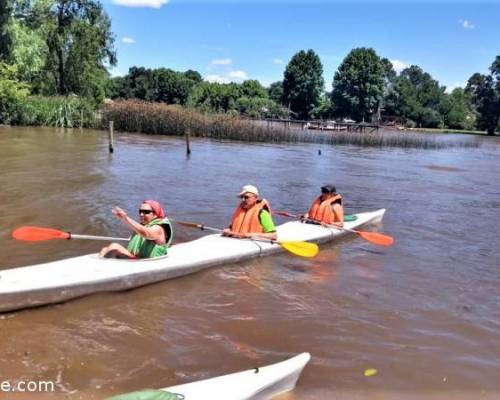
322,125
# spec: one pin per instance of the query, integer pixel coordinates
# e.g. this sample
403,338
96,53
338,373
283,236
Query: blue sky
237,40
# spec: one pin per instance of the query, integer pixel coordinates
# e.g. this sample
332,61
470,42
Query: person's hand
226,232
119,213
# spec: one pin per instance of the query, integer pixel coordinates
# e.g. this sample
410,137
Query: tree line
65,48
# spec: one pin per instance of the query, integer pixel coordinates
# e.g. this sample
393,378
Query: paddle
372,237
37,234
304,249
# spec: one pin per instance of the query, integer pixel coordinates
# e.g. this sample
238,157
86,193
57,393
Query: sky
255,39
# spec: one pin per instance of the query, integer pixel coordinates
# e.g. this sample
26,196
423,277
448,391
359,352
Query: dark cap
328,189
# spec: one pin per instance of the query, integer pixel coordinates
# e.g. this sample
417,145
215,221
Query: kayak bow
258,383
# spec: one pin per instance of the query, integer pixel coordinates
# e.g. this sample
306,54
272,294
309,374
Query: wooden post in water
188,146
111,128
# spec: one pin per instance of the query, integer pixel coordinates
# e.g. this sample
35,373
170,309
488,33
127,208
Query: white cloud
398,65
141,3
238,75
222,61
128,40
230,76
217,78
467,24
277,61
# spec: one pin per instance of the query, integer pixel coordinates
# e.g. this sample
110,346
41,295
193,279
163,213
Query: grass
65,112
446,130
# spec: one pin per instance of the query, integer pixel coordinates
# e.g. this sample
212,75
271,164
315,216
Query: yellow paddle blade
304,249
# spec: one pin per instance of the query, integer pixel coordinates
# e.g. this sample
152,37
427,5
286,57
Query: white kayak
58,281
258,383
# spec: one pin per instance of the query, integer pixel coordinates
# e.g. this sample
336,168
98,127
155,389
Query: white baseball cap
248,189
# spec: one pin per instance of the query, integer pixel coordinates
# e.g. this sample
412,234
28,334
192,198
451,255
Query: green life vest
144,248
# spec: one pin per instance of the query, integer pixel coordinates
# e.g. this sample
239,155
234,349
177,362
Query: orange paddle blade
36,234
376,238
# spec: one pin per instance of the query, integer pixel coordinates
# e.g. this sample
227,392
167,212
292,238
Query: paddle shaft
290,215
299,248
372,237
209,228
91,237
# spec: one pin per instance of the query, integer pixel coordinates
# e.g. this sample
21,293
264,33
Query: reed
65,112
157,118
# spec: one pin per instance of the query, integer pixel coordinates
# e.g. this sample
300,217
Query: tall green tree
358,85
485,93
416,96
79,44
457,110
28,52
303,83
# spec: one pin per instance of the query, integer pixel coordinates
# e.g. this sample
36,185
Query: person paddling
327,209
152,235
252,218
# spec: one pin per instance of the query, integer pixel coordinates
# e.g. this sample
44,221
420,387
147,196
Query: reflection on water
424,312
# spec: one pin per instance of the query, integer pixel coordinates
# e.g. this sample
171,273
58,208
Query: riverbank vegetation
55,56
164,119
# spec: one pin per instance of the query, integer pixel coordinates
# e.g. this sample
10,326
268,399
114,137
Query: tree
456,108
485,93
28,52
303,83
171,87
253,88
5,41
416,96
162,85
214,97
358,85
275,92
79,46
194,76
11,92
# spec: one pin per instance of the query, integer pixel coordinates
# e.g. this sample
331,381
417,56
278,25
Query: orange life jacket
322,210
247,221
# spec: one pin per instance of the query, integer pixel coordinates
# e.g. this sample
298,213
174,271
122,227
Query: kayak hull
254,384
58,281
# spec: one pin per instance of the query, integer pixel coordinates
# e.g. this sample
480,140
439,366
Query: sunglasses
145,212
246,197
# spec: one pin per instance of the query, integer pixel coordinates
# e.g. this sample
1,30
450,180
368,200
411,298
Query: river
425,313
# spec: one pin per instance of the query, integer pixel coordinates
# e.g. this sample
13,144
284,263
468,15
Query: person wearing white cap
252,217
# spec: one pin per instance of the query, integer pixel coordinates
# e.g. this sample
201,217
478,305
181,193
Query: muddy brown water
425,313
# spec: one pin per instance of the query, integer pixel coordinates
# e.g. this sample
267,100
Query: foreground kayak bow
258,383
